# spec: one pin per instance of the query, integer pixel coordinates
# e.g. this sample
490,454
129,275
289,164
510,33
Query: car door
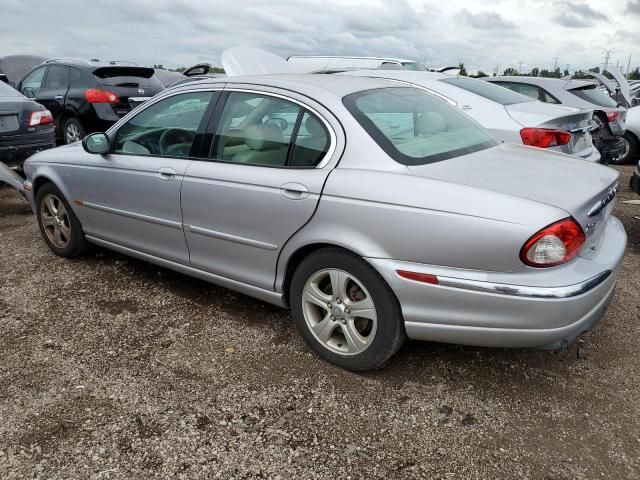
267,165
30,86
53,92
133,193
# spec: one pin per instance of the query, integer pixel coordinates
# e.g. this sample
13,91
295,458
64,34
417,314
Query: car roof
350,57
334,84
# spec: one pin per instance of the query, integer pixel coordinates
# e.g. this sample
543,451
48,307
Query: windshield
488,90
414,127
8,91
593,94
418,67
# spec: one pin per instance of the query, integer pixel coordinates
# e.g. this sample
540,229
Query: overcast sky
482,34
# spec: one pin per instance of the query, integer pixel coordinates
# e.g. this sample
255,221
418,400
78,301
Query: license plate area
8,123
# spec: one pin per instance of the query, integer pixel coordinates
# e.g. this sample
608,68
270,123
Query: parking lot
113,368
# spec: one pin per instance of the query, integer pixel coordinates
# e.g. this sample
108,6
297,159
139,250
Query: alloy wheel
72,133
339,311
55,220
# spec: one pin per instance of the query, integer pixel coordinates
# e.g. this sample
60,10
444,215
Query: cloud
577,15
633,7
485,20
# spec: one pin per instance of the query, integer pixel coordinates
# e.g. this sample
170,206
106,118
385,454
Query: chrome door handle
59,97
294,191
166,173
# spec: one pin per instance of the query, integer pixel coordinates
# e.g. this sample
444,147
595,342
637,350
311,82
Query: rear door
53,92
269,157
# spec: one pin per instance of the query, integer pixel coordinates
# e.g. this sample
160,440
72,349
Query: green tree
634,74
463,71
510,71
480,74
535,72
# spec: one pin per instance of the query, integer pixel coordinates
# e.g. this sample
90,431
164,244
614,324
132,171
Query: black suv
87,97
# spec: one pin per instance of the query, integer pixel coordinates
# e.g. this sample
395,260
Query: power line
607,56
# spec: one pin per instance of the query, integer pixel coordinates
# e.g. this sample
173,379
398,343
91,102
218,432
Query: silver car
509,116
375,211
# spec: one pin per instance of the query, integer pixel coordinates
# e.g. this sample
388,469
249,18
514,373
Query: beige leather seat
266,146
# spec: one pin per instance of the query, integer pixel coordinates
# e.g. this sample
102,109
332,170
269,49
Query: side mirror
29,92
96,143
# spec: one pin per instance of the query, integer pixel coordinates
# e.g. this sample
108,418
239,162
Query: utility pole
520,67
628,65
607,56
555,63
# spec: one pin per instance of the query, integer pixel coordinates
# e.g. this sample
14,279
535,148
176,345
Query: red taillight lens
42,117
554,245
95,95
544,137
612,116
418,277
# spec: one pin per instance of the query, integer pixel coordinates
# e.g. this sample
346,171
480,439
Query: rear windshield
418,67
488,90
593,94
8,91
414,127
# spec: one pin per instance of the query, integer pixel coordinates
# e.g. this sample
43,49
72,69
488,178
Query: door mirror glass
96,143
29,92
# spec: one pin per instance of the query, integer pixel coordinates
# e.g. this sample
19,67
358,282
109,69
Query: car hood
547,177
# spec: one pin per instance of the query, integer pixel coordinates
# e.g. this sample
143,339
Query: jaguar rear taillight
96,95
612,116
41,117
553,245
544,137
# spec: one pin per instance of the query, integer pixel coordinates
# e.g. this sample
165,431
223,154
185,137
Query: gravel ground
111,368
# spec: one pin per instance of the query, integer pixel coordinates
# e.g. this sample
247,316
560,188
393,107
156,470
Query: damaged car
376,211
609,117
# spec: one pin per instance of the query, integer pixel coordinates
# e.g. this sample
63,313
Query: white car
313,63
509,116
632,133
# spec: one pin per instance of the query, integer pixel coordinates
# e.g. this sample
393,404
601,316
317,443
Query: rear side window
523,88
414,127
57,78
261,130
592,94
488,90
166,128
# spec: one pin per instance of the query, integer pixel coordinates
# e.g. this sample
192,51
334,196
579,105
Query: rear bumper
545,308
14,154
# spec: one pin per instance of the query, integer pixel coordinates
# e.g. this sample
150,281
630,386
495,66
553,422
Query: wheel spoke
355,341
339,283
57,236
363,308
62,212
47,221
50,204
324,329
66,233
314,295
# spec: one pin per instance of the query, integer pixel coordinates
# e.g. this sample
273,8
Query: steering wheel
281,123
176,141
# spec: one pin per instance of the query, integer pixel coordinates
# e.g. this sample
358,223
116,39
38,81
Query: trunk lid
126,82
584,190
543,115
14,116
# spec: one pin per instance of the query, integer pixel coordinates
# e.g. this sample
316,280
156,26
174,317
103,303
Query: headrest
263,137
315,127
429,123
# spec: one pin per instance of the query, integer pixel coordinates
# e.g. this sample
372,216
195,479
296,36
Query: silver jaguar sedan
374,210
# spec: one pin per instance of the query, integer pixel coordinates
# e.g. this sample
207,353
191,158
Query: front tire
345,310
58,224
73,131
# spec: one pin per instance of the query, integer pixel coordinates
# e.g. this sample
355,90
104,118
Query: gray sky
482,34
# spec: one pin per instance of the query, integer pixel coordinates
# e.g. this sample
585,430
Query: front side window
488,90
57,78
166,128
34,80
414,127
593,94
261,130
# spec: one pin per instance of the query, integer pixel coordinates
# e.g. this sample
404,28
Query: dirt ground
111,368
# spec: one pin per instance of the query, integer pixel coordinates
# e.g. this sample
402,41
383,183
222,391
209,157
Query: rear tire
73,131
58,224
345,310
631,149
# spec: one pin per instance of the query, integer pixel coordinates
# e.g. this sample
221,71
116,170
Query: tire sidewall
390,328
77,244
75,122
633,150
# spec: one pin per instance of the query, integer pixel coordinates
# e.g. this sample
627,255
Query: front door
133,194
261,184
54,92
